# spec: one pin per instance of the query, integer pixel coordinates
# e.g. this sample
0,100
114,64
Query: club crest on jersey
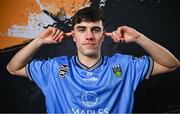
63,70
89,98
117,70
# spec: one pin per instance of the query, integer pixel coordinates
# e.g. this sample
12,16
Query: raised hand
124,34
53,35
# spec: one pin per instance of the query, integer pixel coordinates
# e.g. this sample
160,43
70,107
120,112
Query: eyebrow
95,27
80,27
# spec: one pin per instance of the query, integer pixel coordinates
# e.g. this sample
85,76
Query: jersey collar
88,68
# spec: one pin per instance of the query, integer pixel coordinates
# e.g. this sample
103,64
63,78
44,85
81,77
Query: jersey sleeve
140,69
134,69
40,72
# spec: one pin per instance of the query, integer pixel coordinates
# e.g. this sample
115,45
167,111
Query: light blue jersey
107,87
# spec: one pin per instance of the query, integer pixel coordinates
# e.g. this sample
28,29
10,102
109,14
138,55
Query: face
88,37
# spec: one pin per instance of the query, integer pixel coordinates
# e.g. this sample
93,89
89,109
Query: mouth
89,44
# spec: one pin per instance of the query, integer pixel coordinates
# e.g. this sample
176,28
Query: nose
89,35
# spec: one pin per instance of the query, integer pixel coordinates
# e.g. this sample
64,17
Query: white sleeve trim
150,68
28,73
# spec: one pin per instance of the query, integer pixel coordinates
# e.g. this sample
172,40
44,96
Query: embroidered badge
63,70
89,98
117,70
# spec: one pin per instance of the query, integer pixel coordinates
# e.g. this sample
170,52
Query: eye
81,29
96,30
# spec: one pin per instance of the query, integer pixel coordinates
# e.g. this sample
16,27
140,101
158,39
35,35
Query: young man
89,82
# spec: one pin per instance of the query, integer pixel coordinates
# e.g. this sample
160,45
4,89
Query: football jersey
107,88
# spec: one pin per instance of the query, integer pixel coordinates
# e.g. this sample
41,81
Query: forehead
89,24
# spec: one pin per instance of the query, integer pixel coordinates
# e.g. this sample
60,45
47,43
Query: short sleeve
40,72
141,69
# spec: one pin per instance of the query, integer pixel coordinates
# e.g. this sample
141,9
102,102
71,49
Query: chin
91,54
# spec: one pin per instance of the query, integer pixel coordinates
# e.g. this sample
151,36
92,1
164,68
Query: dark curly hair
90,14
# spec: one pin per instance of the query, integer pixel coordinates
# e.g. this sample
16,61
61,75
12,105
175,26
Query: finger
62,36
120,38
114,39
53,30
118,31
123,40
117,35
108,34
123,32
117,39
56,34
59,36
68,34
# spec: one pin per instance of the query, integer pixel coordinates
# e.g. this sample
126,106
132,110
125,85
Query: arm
49,36
164,61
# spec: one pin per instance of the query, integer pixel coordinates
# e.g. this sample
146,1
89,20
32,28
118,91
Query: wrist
38,42
140,39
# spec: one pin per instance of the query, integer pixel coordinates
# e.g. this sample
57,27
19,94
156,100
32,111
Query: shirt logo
117,70
90,77
63,70
89,98
93,79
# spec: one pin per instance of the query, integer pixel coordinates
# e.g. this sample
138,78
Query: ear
103,36
72,32
73,36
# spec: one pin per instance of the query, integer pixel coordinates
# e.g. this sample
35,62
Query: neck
88,61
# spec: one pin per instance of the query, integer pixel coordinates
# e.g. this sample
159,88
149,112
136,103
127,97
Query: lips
89,44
